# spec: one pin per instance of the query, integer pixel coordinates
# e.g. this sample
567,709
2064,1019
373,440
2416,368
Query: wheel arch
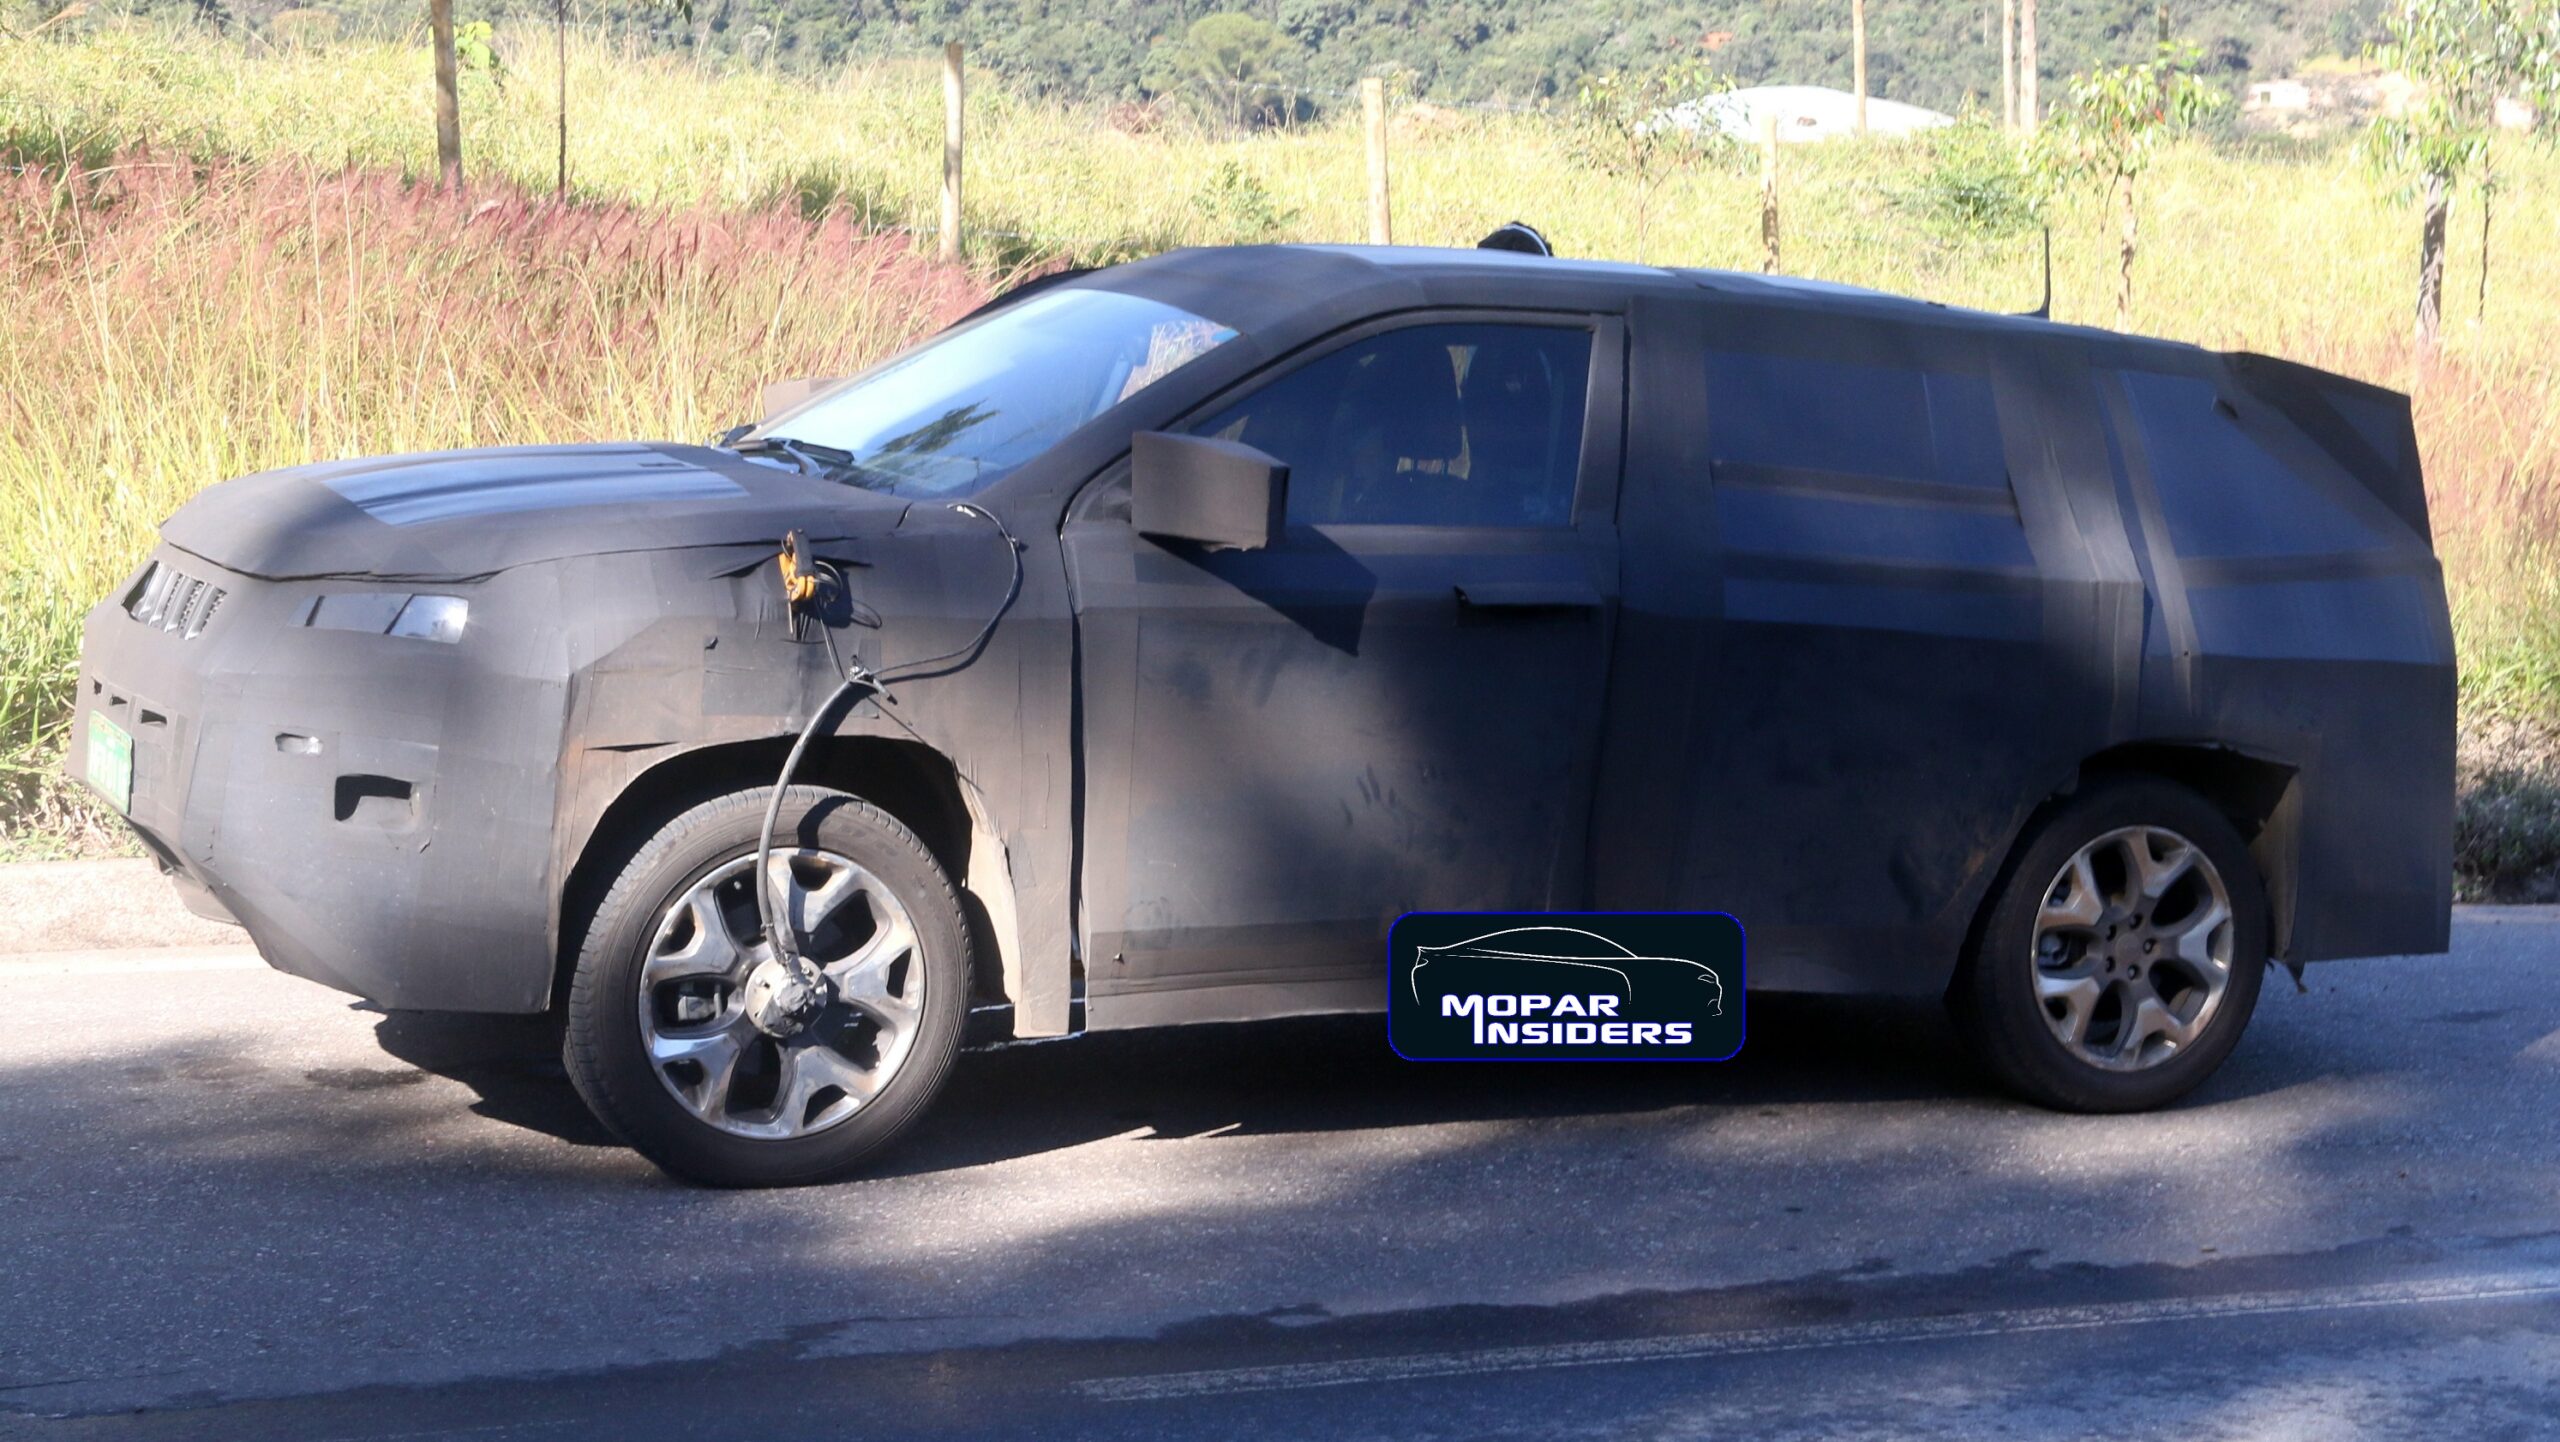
2259,795
910,780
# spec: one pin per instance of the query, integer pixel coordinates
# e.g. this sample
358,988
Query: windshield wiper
827,463
811,458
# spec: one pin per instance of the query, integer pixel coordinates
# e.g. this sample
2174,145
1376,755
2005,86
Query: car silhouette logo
1581,960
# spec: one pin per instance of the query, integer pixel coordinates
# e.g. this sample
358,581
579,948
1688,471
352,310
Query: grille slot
175,601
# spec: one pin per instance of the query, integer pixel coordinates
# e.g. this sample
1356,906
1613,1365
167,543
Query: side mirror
1194,488
780,396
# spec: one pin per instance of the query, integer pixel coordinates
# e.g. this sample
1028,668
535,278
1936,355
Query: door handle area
1528,596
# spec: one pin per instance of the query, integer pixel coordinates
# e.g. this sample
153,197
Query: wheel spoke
716,1053
809,1070
2079,905
809,907
2191,941
2079,996
2148,1019
701,1048
2176,1028
863,979
706,948
2154,874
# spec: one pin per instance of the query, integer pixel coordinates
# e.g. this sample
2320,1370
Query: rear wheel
676,1036
2122,954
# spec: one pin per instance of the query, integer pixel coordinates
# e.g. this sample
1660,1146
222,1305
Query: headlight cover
391,613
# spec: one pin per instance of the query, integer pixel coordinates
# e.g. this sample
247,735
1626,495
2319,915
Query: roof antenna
2044,311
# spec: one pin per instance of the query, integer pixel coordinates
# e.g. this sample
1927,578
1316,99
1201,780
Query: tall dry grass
165,324
2258,242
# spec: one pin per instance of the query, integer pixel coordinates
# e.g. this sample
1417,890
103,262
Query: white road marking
1820,1336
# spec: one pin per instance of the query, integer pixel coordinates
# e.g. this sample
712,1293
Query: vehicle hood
453,515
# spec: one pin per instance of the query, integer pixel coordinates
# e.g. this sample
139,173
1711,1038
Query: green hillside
1933,52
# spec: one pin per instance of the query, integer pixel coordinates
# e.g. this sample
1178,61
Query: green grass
167,325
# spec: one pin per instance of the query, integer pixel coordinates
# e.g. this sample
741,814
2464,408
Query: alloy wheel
2132,948
707,958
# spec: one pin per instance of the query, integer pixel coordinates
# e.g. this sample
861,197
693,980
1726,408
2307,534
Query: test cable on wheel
810,587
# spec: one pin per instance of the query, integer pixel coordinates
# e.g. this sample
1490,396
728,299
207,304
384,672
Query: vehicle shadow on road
1319,1074
1334,1074
512,1063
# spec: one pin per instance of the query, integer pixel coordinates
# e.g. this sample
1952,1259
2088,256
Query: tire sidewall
1997,1002
608,1059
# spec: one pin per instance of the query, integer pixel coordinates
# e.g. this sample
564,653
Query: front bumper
375,810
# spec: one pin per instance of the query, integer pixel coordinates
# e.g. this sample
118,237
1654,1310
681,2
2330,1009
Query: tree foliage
2113,120
2465,56
1624,128
2460,54
2110,124
1233,65
1940,53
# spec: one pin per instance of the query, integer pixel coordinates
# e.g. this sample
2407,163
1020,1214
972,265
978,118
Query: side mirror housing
780,396
1194,488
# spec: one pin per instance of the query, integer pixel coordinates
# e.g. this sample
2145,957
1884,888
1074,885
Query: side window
2221,491
1851,418
1437,425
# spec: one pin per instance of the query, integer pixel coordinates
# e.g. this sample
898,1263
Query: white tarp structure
1804,112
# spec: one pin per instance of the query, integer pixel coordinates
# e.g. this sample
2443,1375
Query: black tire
607,1054
1994,997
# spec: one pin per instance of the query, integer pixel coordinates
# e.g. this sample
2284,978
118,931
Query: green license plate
111,761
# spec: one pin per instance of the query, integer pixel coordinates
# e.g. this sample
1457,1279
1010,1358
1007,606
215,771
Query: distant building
2278,95
1804,112
2336,97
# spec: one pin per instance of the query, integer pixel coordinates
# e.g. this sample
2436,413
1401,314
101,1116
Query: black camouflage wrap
1183,785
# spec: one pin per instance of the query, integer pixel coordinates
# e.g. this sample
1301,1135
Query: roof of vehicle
1299,271
1802,290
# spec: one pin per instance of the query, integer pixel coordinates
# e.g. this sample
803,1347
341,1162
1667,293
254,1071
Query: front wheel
674,1037
2122,954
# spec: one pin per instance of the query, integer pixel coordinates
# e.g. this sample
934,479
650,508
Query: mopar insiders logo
1572,986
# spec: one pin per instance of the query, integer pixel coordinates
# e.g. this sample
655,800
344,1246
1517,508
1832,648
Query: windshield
961,411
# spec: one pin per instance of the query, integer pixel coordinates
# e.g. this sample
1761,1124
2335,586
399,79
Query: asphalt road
234,1205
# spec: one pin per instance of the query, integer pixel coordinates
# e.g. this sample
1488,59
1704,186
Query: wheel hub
781,1004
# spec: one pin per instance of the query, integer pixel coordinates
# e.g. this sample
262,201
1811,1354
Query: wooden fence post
2008,64
448,98
560,52
953,93
1373,106
2030,105
1769,194
1858,56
